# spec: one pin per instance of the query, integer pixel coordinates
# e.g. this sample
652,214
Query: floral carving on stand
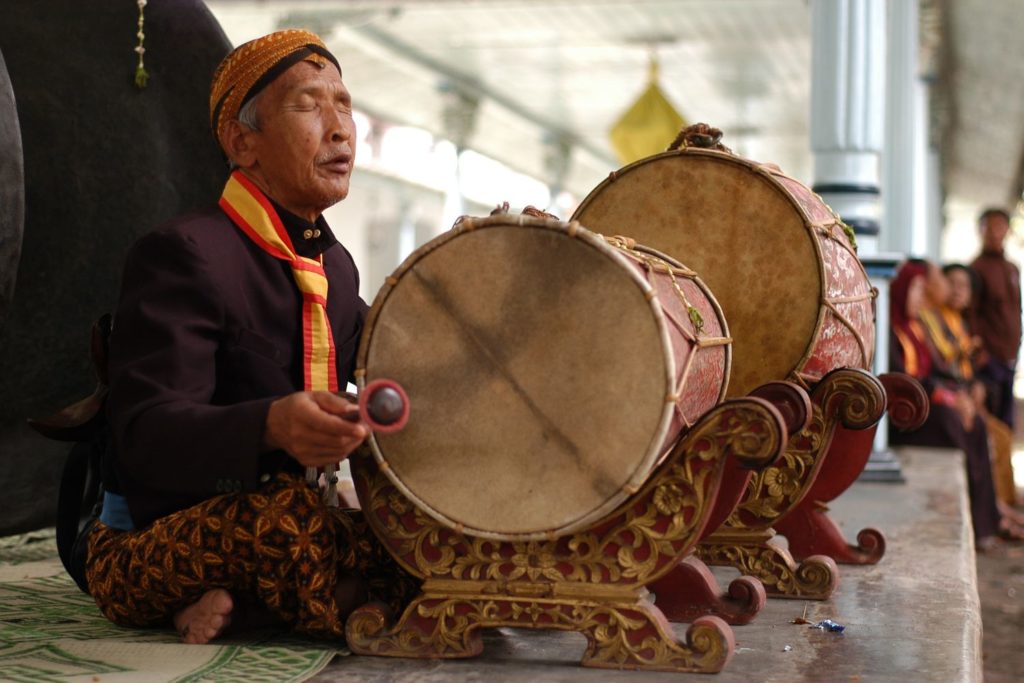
590,581
856,400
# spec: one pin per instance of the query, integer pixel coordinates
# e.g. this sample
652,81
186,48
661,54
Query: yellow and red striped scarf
253,213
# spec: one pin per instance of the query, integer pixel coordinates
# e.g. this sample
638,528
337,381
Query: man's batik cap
252,66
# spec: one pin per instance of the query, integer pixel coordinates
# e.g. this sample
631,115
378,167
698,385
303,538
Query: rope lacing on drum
651,264
847,230
844,320
828,231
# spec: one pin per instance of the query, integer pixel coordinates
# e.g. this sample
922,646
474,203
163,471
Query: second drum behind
780,261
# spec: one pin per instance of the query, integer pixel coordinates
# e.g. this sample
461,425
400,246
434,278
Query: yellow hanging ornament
648,125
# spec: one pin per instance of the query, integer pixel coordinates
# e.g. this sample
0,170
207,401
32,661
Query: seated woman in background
953,421
957,348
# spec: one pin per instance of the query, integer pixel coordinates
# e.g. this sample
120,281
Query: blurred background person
953,420
959,353
995,314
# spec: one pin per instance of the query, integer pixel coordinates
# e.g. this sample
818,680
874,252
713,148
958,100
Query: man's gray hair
247,117
247,114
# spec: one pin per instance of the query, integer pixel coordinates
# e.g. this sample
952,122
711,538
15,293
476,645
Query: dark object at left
104,162
12,191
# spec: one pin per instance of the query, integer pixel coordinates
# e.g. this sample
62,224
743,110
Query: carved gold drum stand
784,268
592,581
565,444
845,398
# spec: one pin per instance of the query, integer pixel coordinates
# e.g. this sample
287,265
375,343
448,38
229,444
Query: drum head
742,234
537,376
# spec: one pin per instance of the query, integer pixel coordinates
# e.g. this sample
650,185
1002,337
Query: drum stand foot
811,531
424,630
690,591
751,552
620,634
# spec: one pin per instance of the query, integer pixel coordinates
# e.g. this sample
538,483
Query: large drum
548,371
780,261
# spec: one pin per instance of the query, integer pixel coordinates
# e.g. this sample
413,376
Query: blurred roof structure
531,78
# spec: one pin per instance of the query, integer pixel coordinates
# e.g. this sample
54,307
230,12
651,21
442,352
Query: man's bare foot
205,619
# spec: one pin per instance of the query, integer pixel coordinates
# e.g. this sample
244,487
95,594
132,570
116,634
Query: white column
847,110
907,227
848,95
934,220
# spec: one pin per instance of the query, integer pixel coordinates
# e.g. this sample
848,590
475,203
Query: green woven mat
30,547
51,631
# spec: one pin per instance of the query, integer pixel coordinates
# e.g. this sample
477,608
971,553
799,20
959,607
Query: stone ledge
914,616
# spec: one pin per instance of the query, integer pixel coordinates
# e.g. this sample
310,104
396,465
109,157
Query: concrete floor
1001,591
913,617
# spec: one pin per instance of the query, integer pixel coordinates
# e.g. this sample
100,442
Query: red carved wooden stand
808,528
852,398
591,581
689,590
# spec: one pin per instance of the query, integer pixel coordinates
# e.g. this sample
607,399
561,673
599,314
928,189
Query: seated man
233,329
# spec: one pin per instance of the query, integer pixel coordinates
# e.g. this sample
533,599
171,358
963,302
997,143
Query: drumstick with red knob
384,407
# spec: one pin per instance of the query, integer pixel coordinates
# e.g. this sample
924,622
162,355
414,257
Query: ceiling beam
449,77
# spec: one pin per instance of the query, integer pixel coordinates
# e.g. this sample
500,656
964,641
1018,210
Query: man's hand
311,427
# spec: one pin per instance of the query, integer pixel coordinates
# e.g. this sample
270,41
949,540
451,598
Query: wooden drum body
781,263
548,370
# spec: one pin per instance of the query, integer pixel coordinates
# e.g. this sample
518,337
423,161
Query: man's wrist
270,440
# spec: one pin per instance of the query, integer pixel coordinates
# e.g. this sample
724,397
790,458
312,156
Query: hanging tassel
141,75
